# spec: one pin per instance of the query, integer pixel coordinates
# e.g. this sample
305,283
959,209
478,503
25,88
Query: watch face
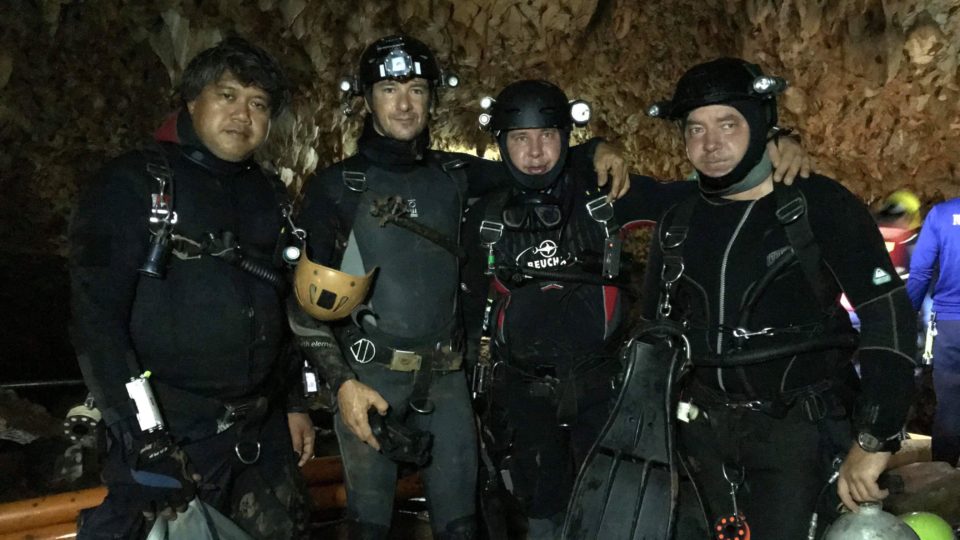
868,442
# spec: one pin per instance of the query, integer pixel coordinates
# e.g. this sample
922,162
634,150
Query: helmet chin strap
752,179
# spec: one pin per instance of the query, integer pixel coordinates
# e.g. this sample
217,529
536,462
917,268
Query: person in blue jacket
939,248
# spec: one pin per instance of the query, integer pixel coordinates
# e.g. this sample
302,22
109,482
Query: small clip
743,333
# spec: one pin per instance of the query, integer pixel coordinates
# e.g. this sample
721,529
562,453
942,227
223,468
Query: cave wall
873,82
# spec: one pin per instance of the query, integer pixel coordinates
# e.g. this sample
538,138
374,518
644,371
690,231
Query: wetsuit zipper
723,287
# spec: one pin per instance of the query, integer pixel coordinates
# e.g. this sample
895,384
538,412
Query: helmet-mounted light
580,112
291,254
397,64
484,120
721,81
451,80
765,84
656,110
346,85
486,103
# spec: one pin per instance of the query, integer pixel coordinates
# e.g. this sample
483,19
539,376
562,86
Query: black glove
154,473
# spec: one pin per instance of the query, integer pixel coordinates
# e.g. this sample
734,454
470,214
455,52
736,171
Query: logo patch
880,276
363,350
542,256
547,249
412,208
776,254
956,219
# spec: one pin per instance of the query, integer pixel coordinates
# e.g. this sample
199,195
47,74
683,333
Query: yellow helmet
327,294
902,203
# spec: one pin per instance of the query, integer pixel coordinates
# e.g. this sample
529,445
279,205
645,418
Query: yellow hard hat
327,294
902,203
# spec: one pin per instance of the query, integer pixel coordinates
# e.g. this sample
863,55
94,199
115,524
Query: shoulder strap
491,226
671,246
601,210
676,233
454,167
493,216
792,215
354,177
161,192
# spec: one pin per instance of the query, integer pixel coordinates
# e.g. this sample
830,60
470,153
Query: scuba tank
871,523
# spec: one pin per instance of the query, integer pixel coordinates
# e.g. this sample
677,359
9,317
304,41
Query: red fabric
636,224
501,315
167,132
610,296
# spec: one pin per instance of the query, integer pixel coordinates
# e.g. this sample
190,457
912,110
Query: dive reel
80,425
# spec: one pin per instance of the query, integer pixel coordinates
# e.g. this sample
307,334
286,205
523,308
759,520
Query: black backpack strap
491,226
354,177
792,215
161,190
671,246
456,169
601,211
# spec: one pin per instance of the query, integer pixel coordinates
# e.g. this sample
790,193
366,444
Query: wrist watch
872,444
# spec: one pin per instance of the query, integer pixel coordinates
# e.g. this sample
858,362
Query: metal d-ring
236,450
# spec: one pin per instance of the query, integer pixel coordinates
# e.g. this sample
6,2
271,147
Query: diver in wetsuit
396,207
751,268
545,259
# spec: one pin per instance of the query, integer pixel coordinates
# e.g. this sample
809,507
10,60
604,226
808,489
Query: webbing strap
793,216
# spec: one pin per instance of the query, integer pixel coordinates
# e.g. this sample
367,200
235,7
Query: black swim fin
628,486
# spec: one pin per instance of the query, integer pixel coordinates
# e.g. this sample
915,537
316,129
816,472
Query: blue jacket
939,243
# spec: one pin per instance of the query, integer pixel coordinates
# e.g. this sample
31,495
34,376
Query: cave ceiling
873,83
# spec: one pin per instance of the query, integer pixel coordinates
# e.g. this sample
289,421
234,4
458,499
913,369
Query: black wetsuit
415,302
556,337
783,419
210,332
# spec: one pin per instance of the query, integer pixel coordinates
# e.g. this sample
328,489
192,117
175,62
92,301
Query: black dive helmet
397,57
743,86
533,105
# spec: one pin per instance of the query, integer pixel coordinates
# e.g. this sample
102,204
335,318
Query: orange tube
47,517
58,531
61,508
323,470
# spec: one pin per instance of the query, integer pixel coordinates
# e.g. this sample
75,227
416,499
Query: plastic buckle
490,232
237,411
600,209
453,164
160,173
791,211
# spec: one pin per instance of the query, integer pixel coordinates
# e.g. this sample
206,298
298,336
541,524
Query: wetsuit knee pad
464,528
